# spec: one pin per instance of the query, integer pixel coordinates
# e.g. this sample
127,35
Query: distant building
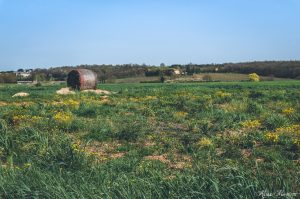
177,72
23,74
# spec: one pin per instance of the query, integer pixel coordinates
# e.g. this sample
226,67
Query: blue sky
47,33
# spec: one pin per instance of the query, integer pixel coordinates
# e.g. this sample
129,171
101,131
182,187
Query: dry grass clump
97,91
178,161
3,103
21,94
65,91
69,91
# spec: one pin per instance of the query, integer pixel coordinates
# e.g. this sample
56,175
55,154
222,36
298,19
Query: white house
24,73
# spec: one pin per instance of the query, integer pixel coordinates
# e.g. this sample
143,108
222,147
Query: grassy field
196,140
223,77
134,80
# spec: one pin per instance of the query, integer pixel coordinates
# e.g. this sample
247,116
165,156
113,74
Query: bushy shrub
39,84
275,121
129,131
100,132
254,108
222,97
256,94
253,77
86,110
61,153
207,78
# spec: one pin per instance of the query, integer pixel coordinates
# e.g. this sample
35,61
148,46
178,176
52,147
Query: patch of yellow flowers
76,147
63,117
27,165
150,98
68,102
292,129
25,118
142,99
72,103
297,142
272,137
254,77
288,111
251,124
180,114
205,142
223,94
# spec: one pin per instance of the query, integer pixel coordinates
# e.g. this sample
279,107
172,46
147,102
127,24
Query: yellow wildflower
288,111
251,124
297,142
25,118
76,147
62,117
150,98
205,142
27,165
134,99
292,129
180,114
71,103
272,137
223,94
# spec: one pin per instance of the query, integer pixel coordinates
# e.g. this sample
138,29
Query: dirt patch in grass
105,100
23,104
178,161
148,143
117,155
167,126
259,160
161,158
170,177
3,103
297,162
104,150
128,113
219,151
246,153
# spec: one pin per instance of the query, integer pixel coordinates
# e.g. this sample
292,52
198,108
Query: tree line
283,69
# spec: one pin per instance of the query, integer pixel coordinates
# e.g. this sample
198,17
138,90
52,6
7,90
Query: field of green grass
222,77
189,140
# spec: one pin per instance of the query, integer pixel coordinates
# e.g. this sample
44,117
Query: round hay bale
82,79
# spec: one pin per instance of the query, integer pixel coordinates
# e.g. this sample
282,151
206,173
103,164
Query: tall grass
212,140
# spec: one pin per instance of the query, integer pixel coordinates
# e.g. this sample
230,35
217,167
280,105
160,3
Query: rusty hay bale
82,79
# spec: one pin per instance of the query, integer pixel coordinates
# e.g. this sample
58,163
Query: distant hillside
104,72
280,69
